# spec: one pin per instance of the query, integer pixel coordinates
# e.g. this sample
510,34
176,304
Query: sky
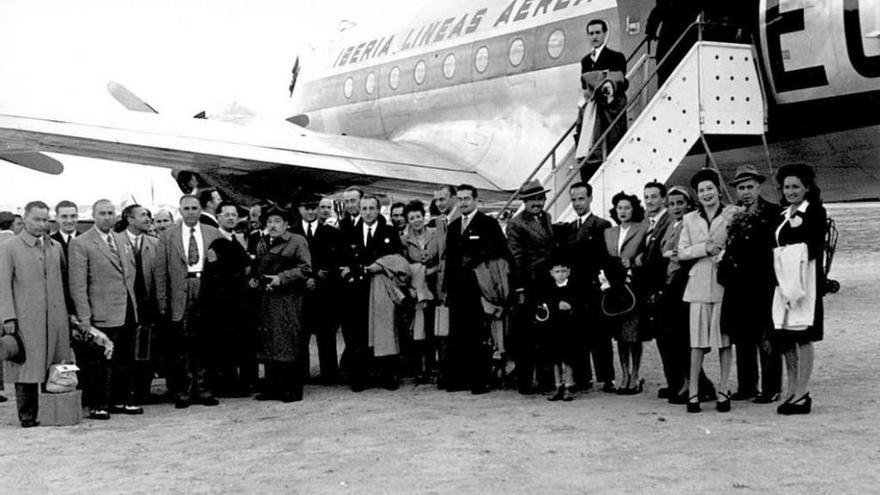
181,56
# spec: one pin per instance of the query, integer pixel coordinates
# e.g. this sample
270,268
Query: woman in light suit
702,241
623,243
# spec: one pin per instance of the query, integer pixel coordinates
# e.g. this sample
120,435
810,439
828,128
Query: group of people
454,299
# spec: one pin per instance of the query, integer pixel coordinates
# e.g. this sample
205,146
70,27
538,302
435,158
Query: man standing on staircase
603,79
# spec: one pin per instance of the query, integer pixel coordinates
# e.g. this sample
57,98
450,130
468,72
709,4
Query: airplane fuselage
493,84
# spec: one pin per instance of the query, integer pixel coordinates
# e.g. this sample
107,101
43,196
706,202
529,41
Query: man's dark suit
233,367
586,248
652,282
356,257
468,360
531,242
608,59
320,303
208,220
606,112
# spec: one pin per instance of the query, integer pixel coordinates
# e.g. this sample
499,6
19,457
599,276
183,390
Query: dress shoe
209,401
265,396
664,393
608,387
288,397
133,410
391,384
693,404
723,405
358,387
566,395
586,387
181,403
100,414
679,399
743,395
117,409
30,423
801,406
480,390
528,390
3,399
764,398
560,393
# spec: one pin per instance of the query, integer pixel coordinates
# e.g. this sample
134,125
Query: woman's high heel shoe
723,405
783,408
693,407
801,406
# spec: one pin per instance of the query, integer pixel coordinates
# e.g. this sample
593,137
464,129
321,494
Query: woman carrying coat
702,240
623,243
282,266
423,253
803,221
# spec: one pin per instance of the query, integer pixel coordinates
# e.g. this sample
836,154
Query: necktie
140,285
594,55
369,236
112,245
579,223
310,233
464,223
192,253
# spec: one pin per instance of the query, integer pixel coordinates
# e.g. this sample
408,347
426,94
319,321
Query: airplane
477,92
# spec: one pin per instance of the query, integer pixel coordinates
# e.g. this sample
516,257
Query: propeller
34,161
128,99
294,74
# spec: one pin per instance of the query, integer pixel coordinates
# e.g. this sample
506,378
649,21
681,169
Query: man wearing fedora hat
747,273
530,239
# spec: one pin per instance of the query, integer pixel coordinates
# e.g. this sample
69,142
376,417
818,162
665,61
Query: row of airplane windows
515,54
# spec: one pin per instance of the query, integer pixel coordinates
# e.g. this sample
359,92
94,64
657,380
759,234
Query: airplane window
349,87
419,73
370,84
449,66
556,43
517,52
394,77
481,59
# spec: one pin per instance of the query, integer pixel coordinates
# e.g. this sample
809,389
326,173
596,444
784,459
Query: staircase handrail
551,155
698,23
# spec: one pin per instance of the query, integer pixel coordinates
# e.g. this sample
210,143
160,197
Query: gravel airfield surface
421,440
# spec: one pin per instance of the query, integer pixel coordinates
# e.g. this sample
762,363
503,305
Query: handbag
441,321
62,378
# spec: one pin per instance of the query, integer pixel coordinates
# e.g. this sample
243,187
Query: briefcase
143,338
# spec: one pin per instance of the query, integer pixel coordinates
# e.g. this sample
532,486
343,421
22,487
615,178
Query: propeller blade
34,161
128,99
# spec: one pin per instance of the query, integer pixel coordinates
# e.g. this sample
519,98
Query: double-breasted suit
320,316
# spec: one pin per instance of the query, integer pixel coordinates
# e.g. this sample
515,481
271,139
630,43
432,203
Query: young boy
556,309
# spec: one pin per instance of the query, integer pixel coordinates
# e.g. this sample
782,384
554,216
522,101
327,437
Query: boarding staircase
714,90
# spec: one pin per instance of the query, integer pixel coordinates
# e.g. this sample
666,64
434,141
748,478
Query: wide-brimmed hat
746,172
705,174
274,210
531,189
11,349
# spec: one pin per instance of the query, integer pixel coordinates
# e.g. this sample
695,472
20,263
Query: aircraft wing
257,160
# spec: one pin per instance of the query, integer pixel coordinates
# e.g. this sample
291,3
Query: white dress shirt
314,227
369,229
199,266
582,220
134,240
466,220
